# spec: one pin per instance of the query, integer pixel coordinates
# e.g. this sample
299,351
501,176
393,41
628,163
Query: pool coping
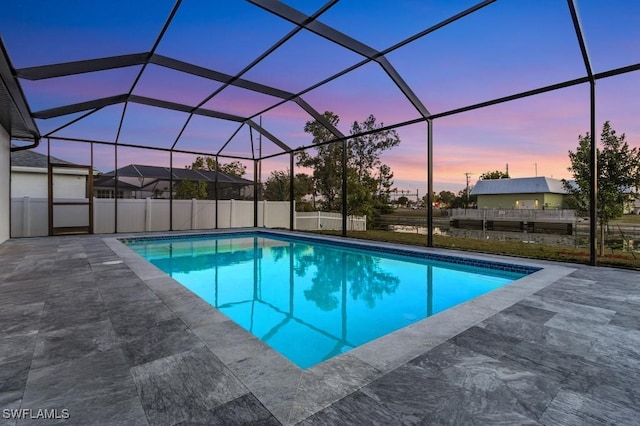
292,394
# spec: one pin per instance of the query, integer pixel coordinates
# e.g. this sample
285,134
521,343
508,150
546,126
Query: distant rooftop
30,158
529,185
164,173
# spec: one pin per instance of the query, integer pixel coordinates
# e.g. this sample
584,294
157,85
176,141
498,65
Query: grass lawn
510,248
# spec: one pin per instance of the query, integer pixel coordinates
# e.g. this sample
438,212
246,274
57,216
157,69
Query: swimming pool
311,300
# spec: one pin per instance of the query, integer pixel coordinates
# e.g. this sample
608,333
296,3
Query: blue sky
507,47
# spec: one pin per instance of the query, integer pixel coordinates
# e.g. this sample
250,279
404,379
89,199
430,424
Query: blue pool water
311,301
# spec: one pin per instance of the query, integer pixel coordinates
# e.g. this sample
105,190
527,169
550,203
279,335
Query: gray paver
124,343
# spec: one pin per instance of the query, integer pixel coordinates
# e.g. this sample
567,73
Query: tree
187,189
234,168
364,151
276,187
496,174
464,199
618,176
384,183
327,163
403,200
446,197
369,181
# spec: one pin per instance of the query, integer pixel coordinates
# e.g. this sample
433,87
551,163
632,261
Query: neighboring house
520,193
140,181
29,177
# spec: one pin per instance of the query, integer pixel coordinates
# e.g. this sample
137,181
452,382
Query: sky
507,47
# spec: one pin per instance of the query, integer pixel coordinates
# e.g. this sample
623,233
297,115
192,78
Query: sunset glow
505,48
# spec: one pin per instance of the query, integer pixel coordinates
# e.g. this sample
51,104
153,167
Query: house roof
164,173
30,158
529,185
109,182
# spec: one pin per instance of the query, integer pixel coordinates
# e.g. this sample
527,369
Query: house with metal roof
520,193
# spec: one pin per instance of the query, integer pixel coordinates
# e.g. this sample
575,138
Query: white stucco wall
5,202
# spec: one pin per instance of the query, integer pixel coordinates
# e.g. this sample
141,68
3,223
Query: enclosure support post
291,193
115,189
429,183
255,193
215,191
171,191
593,166
50,186
344,187
593,202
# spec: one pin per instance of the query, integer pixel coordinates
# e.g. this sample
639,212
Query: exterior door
70,199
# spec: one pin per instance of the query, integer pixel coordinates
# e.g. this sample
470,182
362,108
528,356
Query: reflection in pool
312,301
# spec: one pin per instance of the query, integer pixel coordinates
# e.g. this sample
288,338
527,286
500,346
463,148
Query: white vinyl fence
312,221
30,216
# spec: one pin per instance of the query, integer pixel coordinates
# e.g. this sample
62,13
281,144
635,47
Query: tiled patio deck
119,343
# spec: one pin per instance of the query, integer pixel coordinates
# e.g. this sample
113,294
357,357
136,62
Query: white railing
30,216
311,221
514,214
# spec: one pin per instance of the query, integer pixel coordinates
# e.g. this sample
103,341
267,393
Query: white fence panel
70,215
311,221
158,213
275,214
29,216
104,214
131,215
182,214
225,212
17,219
242,214
205,214
356,223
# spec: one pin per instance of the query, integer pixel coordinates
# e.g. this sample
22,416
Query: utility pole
536,166
466,202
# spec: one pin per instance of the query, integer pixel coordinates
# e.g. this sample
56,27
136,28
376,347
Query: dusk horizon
503,48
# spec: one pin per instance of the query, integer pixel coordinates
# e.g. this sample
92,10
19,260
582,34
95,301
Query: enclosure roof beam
81,67
302,20
130,145
296,17
218,76
102,64
81,106
112,100
318,117
579,34
268,135
403,86
185,108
